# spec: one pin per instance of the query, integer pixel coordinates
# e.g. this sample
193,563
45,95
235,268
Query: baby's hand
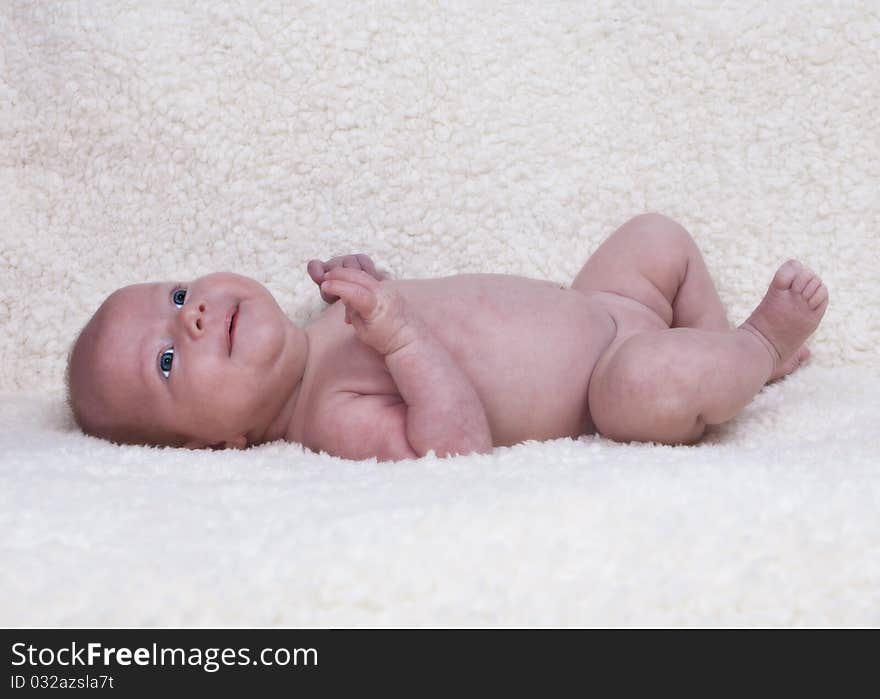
318,269
379,314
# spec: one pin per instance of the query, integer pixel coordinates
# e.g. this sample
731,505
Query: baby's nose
192,315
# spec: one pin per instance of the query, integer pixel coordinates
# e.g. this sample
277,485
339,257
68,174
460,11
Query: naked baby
638,348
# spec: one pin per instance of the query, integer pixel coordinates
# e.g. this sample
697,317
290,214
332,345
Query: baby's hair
116,432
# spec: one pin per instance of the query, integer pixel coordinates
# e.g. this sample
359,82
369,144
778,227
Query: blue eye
178,297
165,361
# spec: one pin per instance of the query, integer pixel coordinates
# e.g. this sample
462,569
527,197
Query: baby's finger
354,296
342,261
316,271
315,268
355,276
367,265
329,298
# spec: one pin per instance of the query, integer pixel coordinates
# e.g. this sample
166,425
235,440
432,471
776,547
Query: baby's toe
819,297
786,274
802,278
811,287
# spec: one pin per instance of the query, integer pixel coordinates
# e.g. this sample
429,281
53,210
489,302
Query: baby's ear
239,442
197,444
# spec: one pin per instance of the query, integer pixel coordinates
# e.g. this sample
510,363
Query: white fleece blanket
160,140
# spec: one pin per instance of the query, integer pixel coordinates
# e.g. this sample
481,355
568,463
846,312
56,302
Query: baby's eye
178,297
165,361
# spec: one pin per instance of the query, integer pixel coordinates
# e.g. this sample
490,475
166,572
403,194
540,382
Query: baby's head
211,362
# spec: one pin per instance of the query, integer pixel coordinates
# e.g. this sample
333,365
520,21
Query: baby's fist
379,314
318,269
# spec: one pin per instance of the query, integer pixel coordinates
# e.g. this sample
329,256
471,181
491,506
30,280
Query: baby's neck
280,425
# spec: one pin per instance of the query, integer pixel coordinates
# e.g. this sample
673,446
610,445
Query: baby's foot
792,364
788,314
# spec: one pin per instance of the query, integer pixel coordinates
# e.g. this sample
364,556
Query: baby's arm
444,411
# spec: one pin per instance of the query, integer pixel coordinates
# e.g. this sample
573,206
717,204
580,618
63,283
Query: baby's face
207,360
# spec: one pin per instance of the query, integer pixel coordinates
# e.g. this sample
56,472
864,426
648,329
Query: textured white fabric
151,140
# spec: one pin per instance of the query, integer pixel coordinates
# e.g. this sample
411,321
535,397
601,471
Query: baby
638,348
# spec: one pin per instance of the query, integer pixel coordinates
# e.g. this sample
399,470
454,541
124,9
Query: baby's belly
527,345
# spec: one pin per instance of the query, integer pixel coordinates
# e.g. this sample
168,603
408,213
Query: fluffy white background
151,140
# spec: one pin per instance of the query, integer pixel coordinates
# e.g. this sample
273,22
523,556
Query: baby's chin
259,333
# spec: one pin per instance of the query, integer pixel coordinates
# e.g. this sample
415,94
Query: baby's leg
666,386
655,261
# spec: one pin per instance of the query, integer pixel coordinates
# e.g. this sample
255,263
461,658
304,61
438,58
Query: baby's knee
653,220
662,230
644,393
646,366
